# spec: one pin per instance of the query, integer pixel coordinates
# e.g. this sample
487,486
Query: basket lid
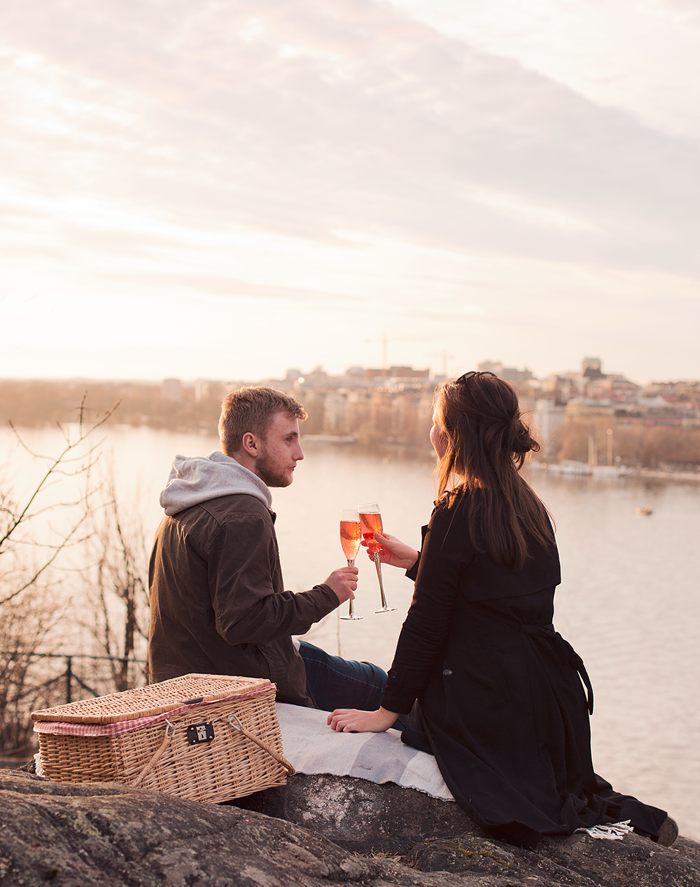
154,699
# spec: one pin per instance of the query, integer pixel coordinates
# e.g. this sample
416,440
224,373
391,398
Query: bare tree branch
118,584
29,604
56,465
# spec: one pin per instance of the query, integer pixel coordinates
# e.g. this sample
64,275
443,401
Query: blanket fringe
614,831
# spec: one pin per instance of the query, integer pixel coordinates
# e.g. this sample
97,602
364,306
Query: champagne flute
371,523
350,540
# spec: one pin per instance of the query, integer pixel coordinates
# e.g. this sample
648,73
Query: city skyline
314,374
224,195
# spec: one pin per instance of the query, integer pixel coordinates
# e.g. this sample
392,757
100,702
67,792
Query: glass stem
351,611
378,565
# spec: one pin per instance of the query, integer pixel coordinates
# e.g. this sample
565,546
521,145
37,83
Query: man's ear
249,443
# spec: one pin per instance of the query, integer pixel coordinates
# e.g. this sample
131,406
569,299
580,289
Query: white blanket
312,747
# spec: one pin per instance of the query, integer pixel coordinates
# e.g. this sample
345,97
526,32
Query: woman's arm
394,552
350,720
446,552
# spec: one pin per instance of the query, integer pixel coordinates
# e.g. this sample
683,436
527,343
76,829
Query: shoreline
582,469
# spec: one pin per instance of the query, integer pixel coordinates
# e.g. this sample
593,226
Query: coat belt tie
564,651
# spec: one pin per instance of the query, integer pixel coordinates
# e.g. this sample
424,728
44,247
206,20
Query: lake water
628,601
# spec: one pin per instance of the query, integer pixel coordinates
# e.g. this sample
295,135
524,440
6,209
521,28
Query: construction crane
385,342
445,357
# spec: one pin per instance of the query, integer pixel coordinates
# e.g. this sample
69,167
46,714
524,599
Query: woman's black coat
500,692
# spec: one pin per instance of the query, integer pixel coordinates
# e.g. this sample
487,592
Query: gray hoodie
197,479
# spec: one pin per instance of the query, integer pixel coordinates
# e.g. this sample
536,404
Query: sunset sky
225,189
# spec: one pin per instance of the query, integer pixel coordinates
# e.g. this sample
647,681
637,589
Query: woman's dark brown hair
485,443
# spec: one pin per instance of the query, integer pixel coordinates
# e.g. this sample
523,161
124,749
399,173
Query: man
218,605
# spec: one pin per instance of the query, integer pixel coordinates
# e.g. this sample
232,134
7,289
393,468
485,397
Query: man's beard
273,477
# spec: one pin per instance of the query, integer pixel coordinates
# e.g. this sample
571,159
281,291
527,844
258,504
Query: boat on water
609,470
570,467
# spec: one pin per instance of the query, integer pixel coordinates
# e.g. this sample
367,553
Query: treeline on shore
35,402
369,415
636,444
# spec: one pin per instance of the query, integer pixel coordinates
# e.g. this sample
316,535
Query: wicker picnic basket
204,737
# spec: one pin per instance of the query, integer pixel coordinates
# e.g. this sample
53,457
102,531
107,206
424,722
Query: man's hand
344,583
394,552
350,720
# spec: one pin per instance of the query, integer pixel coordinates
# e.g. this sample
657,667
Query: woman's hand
394,552
350,720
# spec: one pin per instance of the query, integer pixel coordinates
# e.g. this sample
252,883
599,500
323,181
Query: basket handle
241,729
167,739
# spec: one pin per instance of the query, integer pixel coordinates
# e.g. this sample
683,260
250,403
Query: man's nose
299,455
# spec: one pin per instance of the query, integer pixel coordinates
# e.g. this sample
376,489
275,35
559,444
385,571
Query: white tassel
614,831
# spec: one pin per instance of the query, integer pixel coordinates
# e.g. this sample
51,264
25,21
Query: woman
499,694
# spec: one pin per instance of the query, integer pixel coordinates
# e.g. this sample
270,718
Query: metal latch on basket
197,733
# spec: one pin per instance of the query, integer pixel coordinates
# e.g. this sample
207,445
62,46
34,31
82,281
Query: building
171,389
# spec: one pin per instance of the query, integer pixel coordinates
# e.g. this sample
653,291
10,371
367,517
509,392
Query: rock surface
432,835
106,834
360,815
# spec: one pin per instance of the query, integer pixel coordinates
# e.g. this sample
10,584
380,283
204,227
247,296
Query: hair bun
523,441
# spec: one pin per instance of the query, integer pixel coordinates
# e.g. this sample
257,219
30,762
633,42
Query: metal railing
69,674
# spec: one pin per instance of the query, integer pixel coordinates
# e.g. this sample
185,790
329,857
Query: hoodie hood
199,478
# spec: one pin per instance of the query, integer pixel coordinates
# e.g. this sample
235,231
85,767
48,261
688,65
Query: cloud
213,285
685,11
139,138
307,118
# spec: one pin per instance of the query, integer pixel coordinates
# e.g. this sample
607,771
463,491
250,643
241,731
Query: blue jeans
342,683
